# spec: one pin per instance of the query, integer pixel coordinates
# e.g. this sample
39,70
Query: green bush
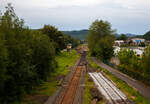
135,66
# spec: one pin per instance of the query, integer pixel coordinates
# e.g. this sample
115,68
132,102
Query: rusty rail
72,89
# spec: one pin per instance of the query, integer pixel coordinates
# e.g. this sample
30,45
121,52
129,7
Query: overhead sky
127,16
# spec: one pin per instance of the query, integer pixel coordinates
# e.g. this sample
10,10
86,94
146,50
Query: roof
119,41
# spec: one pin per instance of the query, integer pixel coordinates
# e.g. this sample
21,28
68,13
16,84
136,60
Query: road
141,88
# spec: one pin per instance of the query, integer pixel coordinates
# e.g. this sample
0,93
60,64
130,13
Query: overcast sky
127,16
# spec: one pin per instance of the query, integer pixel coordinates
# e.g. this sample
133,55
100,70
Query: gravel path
143,90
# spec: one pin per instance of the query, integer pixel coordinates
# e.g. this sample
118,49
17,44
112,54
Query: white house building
137,40
119,42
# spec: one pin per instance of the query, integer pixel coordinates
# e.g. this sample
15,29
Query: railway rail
71,92
108,89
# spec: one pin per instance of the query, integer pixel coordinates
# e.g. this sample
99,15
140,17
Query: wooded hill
80,34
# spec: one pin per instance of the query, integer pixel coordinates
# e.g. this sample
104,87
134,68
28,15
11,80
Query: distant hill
80,34
127,34
130,35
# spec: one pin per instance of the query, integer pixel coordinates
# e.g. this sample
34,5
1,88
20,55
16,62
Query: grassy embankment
87,94
65,61
131,93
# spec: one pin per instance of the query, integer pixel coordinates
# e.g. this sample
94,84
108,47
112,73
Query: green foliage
135,66
104,49
147,35
146,62
125,56
122,37
129,61
65,60
55,36
100,39
26,57
142,44
59,40
69,39
87,93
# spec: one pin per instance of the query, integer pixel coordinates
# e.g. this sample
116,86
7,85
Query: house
69,46
137,40
119,42
138,51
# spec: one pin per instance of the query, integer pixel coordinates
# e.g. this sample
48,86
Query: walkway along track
71,91
108,89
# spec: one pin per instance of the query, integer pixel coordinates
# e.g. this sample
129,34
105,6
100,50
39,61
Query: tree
122,37
26,57
3,66
125,56
104,49
55,36
101,39
59,39
142,44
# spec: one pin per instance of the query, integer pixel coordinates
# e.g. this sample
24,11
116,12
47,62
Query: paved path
143,90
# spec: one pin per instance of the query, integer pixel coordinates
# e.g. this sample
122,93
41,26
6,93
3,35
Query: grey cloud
122,16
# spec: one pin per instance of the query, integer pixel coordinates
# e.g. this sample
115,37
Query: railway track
71,92
108,89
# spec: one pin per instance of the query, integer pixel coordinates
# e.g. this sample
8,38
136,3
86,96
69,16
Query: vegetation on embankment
65,61
87,94
130,92
134,66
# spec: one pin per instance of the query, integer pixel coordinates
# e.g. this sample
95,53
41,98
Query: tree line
27,57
